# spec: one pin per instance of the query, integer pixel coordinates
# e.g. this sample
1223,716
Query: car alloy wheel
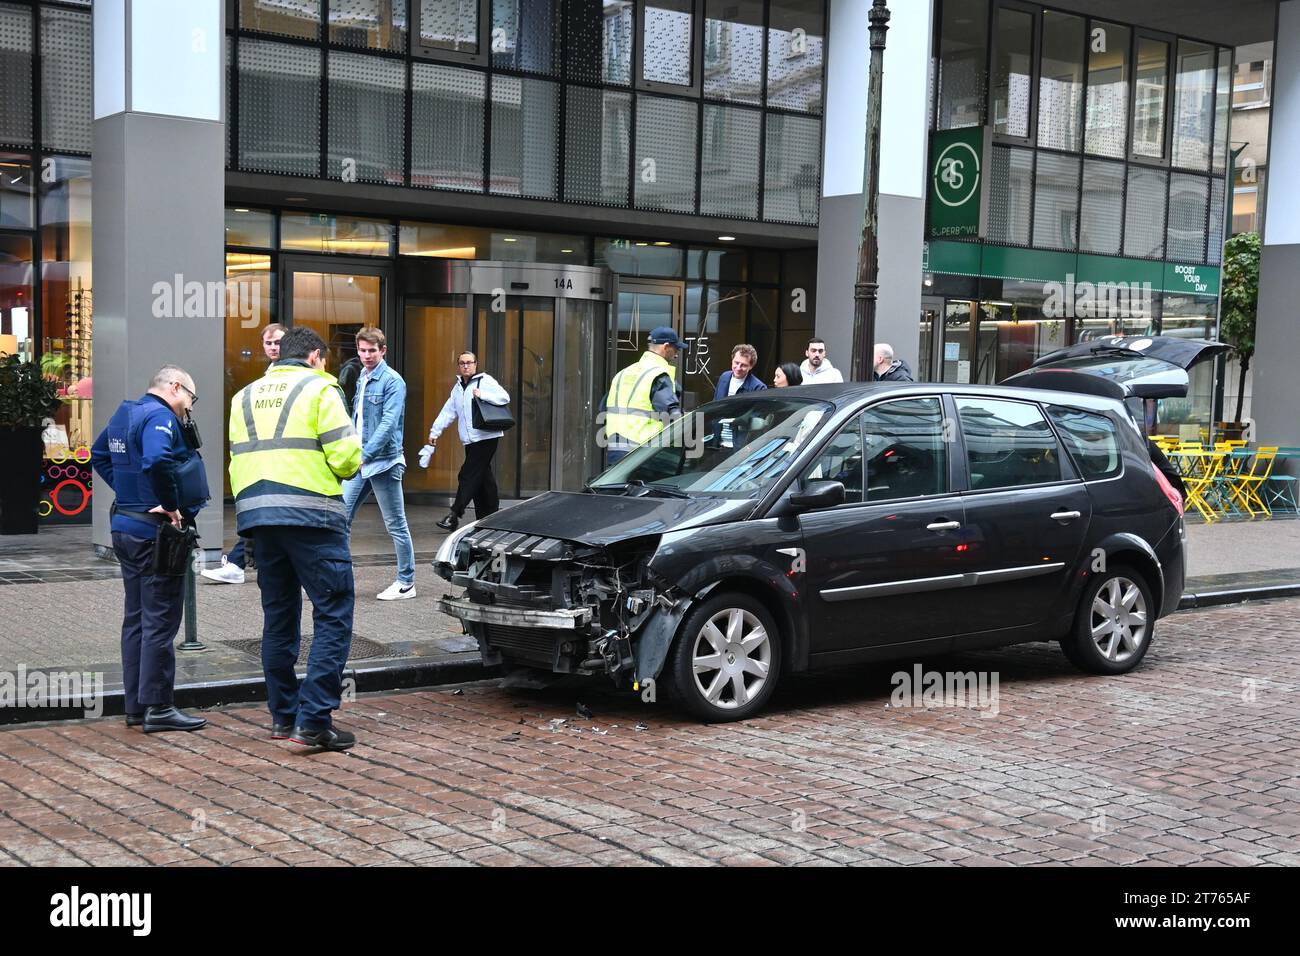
1114,623
731,657
1118,619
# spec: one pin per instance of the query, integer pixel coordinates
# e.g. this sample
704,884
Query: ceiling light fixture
726,238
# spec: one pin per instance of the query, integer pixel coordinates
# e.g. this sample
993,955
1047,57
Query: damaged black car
815,527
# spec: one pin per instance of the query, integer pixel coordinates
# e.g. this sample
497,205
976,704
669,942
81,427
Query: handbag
173,549
492,418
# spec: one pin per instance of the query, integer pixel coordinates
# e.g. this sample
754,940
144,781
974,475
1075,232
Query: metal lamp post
864,291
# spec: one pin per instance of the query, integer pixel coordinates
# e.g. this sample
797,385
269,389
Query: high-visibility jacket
291,443
629,411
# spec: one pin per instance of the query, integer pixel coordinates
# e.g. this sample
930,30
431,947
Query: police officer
291,443
149,457
642,397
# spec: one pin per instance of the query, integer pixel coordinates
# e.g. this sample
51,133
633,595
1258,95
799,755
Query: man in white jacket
817,368
475,481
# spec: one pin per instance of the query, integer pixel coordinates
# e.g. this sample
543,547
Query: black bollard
192,642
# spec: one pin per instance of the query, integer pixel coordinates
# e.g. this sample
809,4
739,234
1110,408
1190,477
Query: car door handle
943,526
1066,515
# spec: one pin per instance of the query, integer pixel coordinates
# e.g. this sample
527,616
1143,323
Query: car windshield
735,448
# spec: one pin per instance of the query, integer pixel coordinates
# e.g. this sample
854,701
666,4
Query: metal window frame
1214,51
1170,41
405,148
1035,20
640,83
427,51
1082,118
1093,23
404,52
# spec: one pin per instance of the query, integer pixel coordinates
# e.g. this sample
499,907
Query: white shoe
397,591
226,574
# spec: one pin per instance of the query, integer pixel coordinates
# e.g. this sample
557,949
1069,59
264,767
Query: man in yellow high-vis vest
291,443
643,397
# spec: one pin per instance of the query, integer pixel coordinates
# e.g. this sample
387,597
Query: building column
1275,386
903,136
158,217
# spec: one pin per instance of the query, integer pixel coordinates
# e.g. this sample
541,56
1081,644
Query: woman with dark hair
787,374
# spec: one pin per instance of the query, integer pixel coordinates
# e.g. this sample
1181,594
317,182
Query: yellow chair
1203,471
1245,489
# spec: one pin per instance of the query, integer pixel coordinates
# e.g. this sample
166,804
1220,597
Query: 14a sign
959,160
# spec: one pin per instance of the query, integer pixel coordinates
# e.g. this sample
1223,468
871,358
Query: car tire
737,634
1108,637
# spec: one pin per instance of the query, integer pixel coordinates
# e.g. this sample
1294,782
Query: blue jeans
289,561
387,487
150,620
236,555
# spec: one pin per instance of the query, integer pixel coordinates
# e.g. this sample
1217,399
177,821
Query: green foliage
26,396
1240,301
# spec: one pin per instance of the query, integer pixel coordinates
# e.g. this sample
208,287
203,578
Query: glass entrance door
643,306
550,352
515,344
336,299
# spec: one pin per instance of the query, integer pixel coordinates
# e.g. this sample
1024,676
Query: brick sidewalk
1172,764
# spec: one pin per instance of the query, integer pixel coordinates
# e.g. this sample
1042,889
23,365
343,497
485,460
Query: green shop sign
1103,275
1191,280
959,162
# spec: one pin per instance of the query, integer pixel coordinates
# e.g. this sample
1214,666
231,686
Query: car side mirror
818,494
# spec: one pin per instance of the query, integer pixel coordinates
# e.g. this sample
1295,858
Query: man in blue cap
643,397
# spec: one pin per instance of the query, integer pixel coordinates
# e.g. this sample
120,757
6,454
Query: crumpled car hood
605,519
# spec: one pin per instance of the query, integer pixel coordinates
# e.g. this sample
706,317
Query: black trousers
475,481
151,618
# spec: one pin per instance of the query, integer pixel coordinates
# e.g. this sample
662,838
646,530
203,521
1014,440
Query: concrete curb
405,674
1204,599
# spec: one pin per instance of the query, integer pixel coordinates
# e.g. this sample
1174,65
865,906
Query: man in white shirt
475,481
817,368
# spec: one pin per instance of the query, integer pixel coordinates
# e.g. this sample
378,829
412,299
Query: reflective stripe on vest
280,472
630,413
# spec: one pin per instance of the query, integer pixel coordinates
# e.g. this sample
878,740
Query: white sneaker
397,591
226,574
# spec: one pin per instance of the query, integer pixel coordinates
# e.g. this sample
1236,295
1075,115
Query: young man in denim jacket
378,411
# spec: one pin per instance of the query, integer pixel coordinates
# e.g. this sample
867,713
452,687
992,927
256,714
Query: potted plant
1240,304
26,398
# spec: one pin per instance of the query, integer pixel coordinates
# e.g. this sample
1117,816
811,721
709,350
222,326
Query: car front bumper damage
561,606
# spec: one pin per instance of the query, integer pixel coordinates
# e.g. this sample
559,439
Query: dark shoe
449,523
331,738
281,731
158,719
134,720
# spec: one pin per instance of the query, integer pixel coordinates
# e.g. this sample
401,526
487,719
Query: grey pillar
903,137
158,216
1275,386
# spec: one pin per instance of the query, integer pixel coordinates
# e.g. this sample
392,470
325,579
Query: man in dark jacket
888,368
741,377
149,458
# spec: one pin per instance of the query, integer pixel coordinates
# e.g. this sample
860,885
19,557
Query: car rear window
1007,444
1090,439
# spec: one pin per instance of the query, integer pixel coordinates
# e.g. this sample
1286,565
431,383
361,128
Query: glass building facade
670,111
46,296
1106,190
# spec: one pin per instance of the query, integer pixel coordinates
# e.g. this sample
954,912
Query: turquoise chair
1280,489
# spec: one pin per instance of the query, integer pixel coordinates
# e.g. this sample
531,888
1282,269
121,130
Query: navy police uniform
144,457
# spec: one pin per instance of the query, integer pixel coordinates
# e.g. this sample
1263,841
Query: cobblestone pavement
1191,759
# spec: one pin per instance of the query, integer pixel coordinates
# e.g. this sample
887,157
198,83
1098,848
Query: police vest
132,489
291,443
629,411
